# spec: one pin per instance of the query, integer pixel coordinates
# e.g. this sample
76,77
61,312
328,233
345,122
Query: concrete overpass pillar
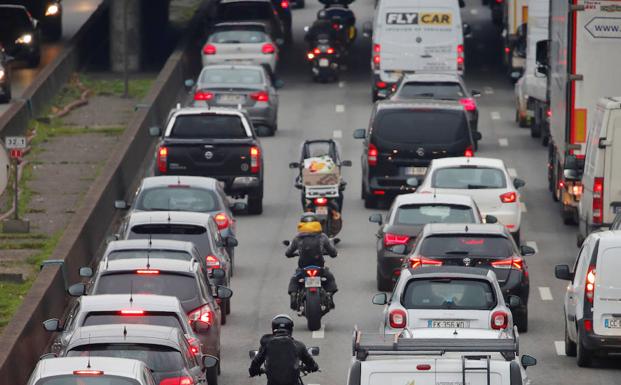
131,10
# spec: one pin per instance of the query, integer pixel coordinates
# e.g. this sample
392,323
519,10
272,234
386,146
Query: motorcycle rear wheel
312,310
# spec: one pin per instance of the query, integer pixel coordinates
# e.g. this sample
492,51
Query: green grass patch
11,295
138,88
25,245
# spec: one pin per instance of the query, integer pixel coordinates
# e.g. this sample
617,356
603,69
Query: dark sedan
5,77
19,34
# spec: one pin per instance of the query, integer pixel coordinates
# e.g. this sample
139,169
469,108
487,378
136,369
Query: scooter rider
311,245
282,354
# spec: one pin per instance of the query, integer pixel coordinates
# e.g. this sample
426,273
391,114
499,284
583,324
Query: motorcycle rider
311,245
323,27
282,354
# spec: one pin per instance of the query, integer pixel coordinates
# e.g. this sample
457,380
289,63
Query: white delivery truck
531,90
601,197
415,36
514,36
583,65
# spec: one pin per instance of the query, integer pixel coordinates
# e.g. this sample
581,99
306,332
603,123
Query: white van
415,36
592,318
601,179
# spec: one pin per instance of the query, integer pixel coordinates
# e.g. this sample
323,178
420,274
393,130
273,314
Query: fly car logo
436,19
413,18
402,18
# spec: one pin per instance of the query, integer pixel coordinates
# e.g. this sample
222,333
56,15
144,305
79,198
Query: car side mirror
200,327
475,93
367,29
231,241
286,243
541,54
313,350
218,273
279,83
515,76
360,133
462,3
294,165
518,183
188,83
86,272
527,251
121,205
47,356
112,238
571,174
562,272
238,207
224,292
9,58
35,23
376,218
253,353
380,299
52,325
412,182
306,28
346,163
527,361
155,131
491,219
77,290
476,135
399,249
514,301
209,361
467,30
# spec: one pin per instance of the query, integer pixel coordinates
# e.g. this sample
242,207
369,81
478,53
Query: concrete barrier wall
24,339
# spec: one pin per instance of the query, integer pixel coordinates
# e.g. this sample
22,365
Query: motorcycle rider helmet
322,15
282,322
308,217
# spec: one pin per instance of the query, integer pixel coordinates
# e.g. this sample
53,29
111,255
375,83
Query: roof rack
378,344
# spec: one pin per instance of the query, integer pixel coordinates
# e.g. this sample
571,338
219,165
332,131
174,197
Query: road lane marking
512,172
545,293
319,334
560,347
523,207
341,84
495,115
503,142
488,90
340,108
474,11
337,134
533,244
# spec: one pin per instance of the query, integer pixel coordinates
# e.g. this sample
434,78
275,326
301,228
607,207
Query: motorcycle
343,21
325,59
327,212
312,350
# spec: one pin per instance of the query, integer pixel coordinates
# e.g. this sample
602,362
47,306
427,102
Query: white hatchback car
486,180
451,297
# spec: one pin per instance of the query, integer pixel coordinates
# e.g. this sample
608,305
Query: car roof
464,229
607,237
121,367
244,1
161,264
191,110
431,77
114,302
149,244
450,272
419,103
15,6
414,198
468,161
173,180
461,333
126,334
240,24
236,66
176,217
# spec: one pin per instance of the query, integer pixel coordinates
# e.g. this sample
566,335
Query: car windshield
173,198
434,213
157,358
244,11
240,76
467,178
70,379
420,126
208,126
467,245
431,90
118,318
153,254
13,20
237,37
184,287
448,293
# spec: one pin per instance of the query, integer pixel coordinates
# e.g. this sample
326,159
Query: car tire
383,284
228,306
583,355
7,97
223,313
570,346
520,318
255,204
211,374
34,60
517,237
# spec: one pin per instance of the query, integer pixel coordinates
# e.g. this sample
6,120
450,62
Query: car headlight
24,39
52,10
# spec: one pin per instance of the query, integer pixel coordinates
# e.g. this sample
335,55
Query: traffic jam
437,273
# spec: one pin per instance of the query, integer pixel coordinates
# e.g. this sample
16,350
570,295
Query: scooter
312,350
327,212
325,60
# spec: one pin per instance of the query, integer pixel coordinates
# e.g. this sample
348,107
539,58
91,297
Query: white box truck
584,52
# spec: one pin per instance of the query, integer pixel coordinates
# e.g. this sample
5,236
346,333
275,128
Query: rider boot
294,301
330,300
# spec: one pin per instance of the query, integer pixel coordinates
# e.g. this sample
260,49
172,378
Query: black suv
5,77
403,138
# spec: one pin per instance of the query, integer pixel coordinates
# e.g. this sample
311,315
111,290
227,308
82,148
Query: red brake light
379,192
509,197
589,288
500,320
312,272
260,96
509,263
147,272
423,367
507,49
162,159
222,220
195,345
549,113
330,50
377,48
284,4
469,104
460,57
268,48
469,153
177,381
255,164
316,51
321,201
598,200
588,325
380,84
203,313
203,95
372,155
376,55
131,312
395,239
416,262
460,48
209,49
88,373
212,262
398,319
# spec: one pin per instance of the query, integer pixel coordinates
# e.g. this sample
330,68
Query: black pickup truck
218,143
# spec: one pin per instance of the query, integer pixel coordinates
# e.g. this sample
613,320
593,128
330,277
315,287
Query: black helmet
308,217
282,322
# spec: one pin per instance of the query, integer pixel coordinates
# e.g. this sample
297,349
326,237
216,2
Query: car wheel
211,375
228,306
520,318
517,237
570,346
223,313
7,97
383,284
255,204
583,355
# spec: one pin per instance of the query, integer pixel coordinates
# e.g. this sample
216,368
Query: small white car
451,297
592,305
486,180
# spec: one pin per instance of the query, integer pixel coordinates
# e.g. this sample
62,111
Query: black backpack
281,361
310,247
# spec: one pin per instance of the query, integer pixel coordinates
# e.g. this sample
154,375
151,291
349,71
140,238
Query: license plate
321,210
324,62
452,324
415,170
231,99
612,323
312,282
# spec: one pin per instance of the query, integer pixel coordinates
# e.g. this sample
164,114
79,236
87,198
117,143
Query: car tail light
576,189
177,381
508,197
376,55
460,57
380,84
131,312
372,155
398,319
418,261
260,96
195,345
598,200
222,220
588,325
469,104
509,263
212,262
284,4
507,49
320,201
589,288
500,320
88,373
330,51
395,239
162,159
423,367
379,192
203,313
469,152
312,272
209,49
316,51
203,95
255,164
268,48
147,272
549,113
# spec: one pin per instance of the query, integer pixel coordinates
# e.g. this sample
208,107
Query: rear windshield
13,20
208,126
155,254
423,214
476,245
468,178
185,288
114,318
157,358
86,380
241,76
431,90
238,36
445,293
243,11
421,126
163,228
177,199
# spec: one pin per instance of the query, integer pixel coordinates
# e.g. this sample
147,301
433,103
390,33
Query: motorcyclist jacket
311,258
